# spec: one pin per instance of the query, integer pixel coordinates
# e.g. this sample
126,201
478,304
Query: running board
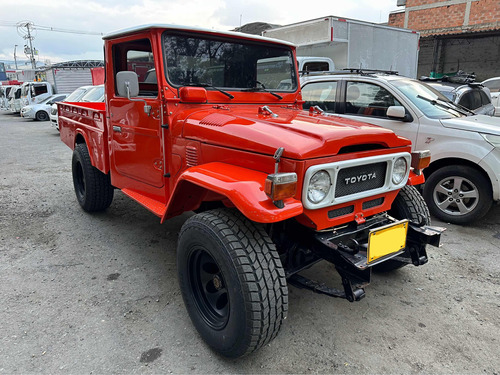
156,207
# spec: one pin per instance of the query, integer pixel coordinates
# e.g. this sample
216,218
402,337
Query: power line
54,29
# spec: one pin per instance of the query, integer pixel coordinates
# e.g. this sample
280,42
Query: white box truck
354,44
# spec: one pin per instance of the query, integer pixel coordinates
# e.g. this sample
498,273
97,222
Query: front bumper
348,249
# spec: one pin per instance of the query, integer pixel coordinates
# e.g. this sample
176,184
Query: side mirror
127,84
397,112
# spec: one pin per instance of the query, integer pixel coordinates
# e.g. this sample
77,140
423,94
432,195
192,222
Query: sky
108,15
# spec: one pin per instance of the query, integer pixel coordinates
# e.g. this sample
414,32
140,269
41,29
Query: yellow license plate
386,240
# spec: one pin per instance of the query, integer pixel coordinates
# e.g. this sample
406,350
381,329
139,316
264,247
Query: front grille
373,203
340,212
360,178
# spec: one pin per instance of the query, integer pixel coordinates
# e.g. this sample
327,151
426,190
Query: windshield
94,95
75,95
417,92
237,65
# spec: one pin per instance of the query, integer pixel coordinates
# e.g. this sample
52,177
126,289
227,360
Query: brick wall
432,17
484,11
397,19
470,54
442,17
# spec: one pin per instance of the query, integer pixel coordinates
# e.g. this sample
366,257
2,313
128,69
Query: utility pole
15,61
24,29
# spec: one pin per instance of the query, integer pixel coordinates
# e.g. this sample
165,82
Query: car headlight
399,170
319,186
493,140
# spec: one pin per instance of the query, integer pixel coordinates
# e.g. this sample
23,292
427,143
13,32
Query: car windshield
75,95
431,102
94,95
234,65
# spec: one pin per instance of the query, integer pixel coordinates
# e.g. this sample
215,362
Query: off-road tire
221,248
41,116
92,187
409,204
472,179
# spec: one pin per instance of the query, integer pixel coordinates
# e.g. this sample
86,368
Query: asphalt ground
98,293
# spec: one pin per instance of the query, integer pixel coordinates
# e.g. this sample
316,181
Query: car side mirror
397,112
127,84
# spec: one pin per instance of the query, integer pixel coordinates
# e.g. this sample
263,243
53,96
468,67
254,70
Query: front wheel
42,116
92,187
458,194
410,205
232,281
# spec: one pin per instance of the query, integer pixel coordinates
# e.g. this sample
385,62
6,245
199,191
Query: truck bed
85,122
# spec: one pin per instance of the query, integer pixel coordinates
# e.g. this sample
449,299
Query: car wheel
92,187
232,281
42,116
410,205
458,194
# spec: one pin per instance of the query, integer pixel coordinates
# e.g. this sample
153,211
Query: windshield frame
428,109
287,53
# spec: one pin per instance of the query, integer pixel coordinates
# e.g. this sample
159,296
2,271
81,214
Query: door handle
117,129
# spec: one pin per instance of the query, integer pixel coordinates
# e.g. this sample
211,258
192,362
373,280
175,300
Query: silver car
473,96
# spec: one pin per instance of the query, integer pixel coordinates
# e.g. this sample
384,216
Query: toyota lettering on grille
360,178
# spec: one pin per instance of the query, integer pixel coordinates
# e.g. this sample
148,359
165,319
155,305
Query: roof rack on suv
370,71
361,71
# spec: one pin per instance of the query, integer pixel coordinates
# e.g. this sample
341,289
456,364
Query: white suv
463,179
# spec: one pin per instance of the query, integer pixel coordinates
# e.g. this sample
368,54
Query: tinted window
368,99
485,100
471,99
316,66
321,94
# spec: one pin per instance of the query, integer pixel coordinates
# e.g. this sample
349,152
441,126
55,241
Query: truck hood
303,136
477,123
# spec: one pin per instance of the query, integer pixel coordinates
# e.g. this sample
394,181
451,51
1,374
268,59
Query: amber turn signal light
420,160
280,186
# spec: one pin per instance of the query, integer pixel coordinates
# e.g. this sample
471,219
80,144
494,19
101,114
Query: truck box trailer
354,44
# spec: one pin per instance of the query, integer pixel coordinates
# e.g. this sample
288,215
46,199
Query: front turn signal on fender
280,186
420,160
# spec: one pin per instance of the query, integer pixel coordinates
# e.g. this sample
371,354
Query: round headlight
319,186
399,171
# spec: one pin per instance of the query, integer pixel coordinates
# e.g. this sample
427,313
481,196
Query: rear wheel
232,281
410,205
92,187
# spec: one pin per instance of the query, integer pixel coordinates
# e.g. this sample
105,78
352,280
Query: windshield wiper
201,84
440,103
262,88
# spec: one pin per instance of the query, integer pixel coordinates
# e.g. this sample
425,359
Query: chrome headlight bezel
321,183
334,168
399,170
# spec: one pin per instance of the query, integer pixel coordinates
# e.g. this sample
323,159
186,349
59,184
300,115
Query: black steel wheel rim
80,180
209,289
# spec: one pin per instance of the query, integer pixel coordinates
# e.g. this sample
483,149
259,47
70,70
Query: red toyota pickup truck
212,122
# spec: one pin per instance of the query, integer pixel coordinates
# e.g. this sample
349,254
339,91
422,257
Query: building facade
455,35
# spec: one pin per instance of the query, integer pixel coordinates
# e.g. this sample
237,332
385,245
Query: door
136,151
368,102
